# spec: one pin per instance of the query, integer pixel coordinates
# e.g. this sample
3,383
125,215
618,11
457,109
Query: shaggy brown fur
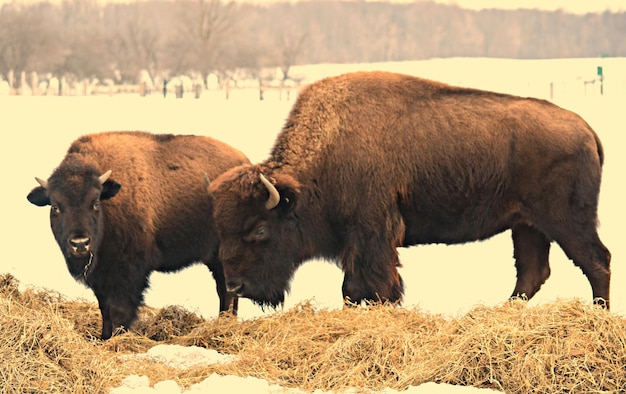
151,214
368,162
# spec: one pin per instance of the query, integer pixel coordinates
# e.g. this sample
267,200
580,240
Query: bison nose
234,286
80,245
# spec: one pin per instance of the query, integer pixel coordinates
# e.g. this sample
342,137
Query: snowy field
36,132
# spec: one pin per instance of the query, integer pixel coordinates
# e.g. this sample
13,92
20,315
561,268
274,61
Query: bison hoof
601,302
519,297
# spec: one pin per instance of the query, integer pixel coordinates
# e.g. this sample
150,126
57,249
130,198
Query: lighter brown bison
367,162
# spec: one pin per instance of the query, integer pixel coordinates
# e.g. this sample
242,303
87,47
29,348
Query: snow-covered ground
36,132
189,356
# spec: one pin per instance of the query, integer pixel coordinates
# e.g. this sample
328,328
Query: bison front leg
370,260
531,249
107,324
229,302
119,305
373,277
358,287
116,317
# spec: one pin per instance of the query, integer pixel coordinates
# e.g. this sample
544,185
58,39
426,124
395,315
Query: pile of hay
48,343
40,349
568,346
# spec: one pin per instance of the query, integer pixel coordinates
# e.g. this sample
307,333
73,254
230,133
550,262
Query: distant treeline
80,39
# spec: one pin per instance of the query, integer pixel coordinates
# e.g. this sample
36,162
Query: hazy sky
577,6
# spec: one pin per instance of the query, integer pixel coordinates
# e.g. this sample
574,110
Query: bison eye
261,232
96,205
258,233
55,209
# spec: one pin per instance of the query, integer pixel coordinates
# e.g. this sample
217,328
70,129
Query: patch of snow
237,384
132,384
183,357
441,388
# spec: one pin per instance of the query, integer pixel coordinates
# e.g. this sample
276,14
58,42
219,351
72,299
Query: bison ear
109,189
38,197
289,191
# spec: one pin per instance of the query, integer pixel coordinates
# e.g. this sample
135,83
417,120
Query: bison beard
369,162
149,213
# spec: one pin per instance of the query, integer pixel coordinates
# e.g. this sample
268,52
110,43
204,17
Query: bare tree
202,28
134,41
290,46
28,40
84,39
89,38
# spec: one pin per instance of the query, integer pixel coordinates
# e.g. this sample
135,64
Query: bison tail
600,148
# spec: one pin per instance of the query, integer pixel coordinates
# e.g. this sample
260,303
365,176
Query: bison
368,162
125,204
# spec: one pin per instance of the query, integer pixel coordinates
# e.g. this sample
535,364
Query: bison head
74,193
261,243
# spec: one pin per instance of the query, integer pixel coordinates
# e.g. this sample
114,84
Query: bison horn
103,178
207,181
274,198
43,183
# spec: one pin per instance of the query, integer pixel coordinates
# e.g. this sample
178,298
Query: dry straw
48,343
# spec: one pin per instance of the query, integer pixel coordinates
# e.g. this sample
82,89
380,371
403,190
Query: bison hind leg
531,249
593,258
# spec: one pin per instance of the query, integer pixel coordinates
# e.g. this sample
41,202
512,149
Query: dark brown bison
124,204
367,162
